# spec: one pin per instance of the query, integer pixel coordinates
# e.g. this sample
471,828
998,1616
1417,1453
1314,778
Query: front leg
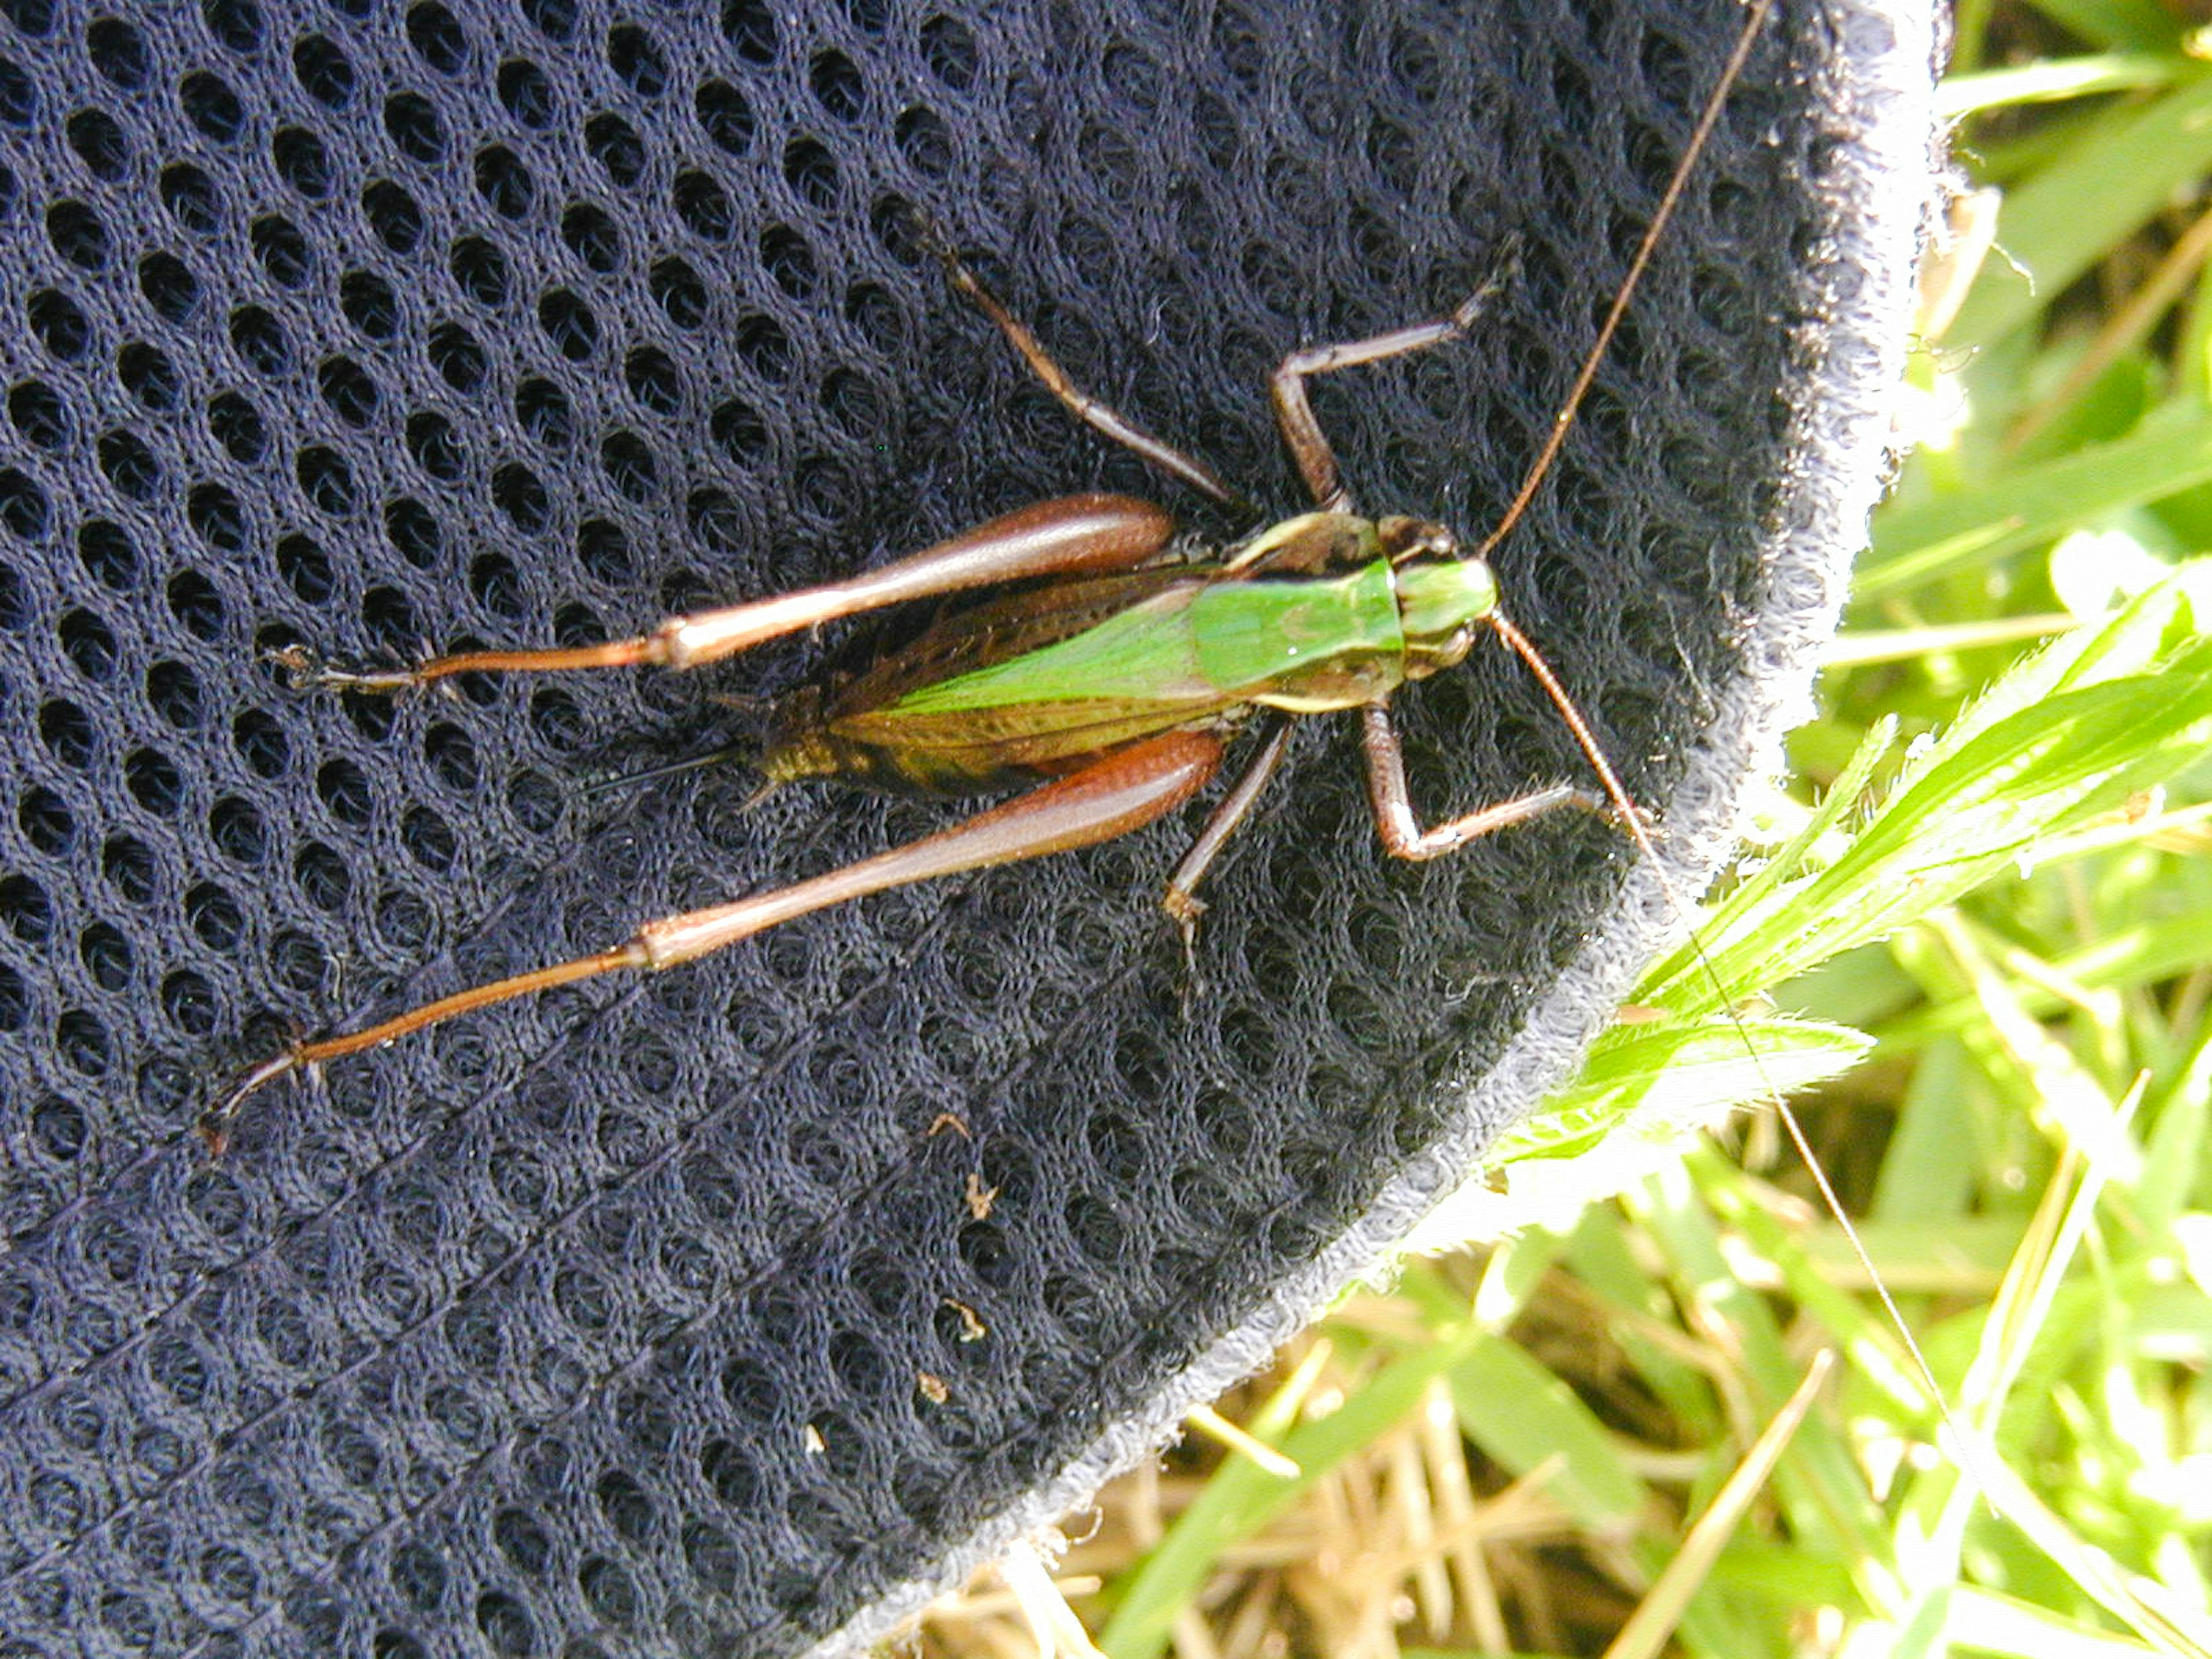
1401,832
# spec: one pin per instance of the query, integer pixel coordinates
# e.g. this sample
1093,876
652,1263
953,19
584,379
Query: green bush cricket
1109,680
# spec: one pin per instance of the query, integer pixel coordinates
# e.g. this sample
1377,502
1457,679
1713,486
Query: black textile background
597,1325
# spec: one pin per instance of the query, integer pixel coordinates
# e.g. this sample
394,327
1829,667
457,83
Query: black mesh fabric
651,1317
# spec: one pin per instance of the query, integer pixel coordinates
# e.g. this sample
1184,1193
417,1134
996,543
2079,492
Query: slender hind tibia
1123,790
1069,536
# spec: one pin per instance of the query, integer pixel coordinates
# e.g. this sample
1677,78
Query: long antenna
1632,819
1677,186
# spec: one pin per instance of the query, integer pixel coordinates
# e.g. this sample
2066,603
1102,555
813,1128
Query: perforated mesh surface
597,1325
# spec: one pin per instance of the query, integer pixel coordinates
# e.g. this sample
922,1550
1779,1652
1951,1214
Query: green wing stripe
1144,654
1207,641
1253,634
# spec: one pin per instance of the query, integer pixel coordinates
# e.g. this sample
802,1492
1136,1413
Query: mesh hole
458,358
259,338
555,19
481,270
436,447
58,1129
260,742
675,288
503,182
413,531
881,320
725,116
614,143
189,196
705,207
636,57
36,412
129,868
568,324
437,37
854,404
764,347
347,390
26,913
169,286
323,879
420,1577
411,123
429,839
23,508
189,1003
368,303
651,377
517,492
627,462
837,85
525,94
77,234
323,71
557,721
174,692
496,584
453,758
148,374
591,235
543,408
60,326
195,603
235,24
626,1506
342,788
129,465
236,828
99,143
80,1041
740,431
811,173
296,964
949,49
789,261
118,52
211,107
603,550
389,616
302,162
750,26
153,781
392,215
236,425
524,1543
46,822
927,142
67,733
327,480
